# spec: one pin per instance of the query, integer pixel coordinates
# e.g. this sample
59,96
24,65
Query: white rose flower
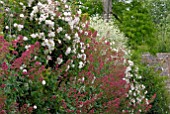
27,46
21,15
21,3
82,51
86,33
6,27
33,35
49,57
59,60
43,82
67,37
11,15
25,38
130,62
66,6
143,87
79,12
134,94
84,56
35,107
49,1
68,51
1,2
35,9
68,67
81,64
35,57
83,79
133,100
15,24
20,27
51,34
79,55
128,69
49,22
83,25
65,13
76,35
59,29
24,70
21,67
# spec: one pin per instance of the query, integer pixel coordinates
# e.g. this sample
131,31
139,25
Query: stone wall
161,61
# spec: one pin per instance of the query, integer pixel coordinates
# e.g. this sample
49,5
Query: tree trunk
107,6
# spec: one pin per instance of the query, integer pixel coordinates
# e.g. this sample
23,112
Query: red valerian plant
100,87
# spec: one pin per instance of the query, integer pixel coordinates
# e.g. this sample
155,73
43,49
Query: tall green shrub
136,23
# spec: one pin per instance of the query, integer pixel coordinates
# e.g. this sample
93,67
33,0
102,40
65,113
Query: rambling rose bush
137,93
54,34
55,24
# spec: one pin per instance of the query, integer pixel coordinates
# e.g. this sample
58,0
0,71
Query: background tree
159,10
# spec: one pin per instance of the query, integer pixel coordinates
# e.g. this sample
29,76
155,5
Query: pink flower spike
4,66
3,86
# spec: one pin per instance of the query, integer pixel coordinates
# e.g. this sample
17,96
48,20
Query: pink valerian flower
54,97
26,56
14,52
3,85
17,41
14,43
4,66
40,70
37,63
3,47
26,109
34,72
2,112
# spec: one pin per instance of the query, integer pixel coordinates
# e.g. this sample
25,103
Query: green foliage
136,24
1,17
155,84
92,7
